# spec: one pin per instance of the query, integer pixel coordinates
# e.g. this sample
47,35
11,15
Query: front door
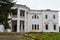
21,26
14,28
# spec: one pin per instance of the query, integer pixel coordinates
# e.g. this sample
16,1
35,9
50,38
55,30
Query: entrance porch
15,26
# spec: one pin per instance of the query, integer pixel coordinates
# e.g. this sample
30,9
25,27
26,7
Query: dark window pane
32,27
54,27
37,27
46,16
35,16
46,27
54,16
22,13
32,17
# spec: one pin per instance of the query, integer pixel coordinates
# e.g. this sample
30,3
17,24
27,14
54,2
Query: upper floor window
35,17
54,27
46,26
14,12
53,16
22,13
46,16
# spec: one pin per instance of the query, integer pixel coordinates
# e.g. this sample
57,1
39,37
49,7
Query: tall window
54,16
14,13
22,13
46,16
35,27
46,26
54,27
35,16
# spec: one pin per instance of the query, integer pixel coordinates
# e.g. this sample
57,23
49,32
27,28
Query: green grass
44,36
36,36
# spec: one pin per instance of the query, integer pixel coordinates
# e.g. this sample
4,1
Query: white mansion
24,19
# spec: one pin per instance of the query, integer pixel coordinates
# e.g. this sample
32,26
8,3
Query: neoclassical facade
24,19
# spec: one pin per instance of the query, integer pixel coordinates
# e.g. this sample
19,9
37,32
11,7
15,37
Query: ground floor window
54,27
46,26
35,27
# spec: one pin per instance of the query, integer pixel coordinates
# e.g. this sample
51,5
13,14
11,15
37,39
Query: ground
13,36
30,36
44,36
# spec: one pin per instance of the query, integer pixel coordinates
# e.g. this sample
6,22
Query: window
32,26
35,17
54,27
46,27
14,13
35,27
54,16
46,16
22,13
32,17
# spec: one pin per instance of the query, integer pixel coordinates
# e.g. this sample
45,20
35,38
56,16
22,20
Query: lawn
30,36
44,36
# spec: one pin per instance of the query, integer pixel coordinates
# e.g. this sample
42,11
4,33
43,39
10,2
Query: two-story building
24,19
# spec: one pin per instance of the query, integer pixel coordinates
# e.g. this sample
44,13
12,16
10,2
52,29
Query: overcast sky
41,4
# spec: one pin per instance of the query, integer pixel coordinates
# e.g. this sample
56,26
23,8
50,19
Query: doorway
14,26
22,26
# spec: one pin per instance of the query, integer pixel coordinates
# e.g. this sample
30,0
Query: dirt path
14,37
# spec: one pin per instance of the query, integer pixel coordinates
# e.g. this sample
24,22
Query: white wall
34,21
50,24
42,21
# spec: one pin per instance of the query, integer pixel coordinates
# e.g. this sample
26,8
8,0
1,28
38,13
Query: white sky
41,4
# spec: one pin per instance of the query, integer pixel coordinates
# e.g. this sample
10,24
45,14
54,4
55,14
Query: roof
19,5
46,10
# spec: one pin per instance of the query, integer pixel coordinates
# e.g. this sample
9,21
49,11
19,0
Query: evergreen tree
5,9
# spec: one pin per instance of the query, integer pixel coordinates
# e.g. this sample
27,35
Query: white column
25,23
18,20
